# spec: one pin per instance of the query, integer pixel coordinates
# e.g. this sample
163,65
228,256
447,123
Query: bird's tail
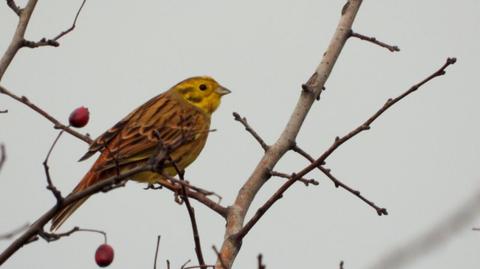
63,215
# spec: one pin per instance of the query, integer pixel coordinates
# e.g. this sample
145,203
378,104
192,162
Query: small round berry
79,117
104,255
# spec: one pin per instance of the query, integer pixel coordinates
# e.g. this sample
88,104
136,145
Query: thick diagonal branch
312,89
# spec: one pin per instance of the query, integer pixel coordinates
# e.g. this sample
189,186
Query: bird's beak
222,91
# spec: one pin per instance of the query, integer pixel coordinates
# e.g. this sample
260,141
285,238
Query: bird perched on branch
178,119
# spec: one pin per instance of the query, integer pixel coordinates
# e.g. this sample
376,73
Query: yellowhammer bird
178,118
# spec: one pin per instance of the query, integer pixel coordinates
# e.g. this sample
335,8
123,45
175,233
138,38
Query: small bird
178,119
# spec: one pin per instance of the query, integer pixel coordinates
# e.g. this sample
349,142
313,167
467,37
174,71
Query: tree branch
312,89
305,181
191,214
249,129
56,124
338,183
373,40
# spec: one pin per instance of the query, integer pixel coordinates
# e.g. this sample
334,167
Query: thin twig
375,41
195,188
337,143
304,180
475,229
191,214
49,237
56,124
249,129
3,155
156,252
54,41
185,264
260,262
341,265
73,24
14,7
50,186
380,211
4,111
11,234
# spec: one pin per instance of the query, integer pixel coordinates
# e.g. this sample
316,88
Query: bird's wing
164,121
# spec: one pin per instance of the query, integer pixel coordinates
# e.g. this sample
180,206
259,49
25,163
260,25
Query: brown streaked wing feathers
165,119
99,143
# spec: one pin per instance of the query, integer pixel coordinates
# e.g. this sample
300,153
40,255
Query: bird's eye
202,87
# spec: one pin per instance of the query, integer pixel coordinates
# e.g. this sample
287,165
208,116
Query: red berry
104,255
79,117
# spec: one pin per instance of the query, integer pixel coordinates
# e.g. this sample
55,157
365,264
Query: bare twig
195,188
249,129
56,124
3,155
260,140
11,234
4,111
73,24
260,262
475,229
305,181
375,41
49,237
156,252
191,214
54,41
337,143
50,186
41,43
13,6
380,211
341,265
185,264
175,186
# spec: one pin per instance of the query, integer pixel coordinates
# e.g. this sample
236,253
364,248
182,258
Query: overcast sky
420,160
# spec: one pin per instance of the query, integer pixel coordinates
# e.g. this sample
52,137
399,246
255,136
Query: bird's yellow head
202,92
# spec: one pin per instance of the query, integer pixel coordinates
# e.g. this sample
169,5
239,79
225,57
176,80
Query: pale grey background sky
420,160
